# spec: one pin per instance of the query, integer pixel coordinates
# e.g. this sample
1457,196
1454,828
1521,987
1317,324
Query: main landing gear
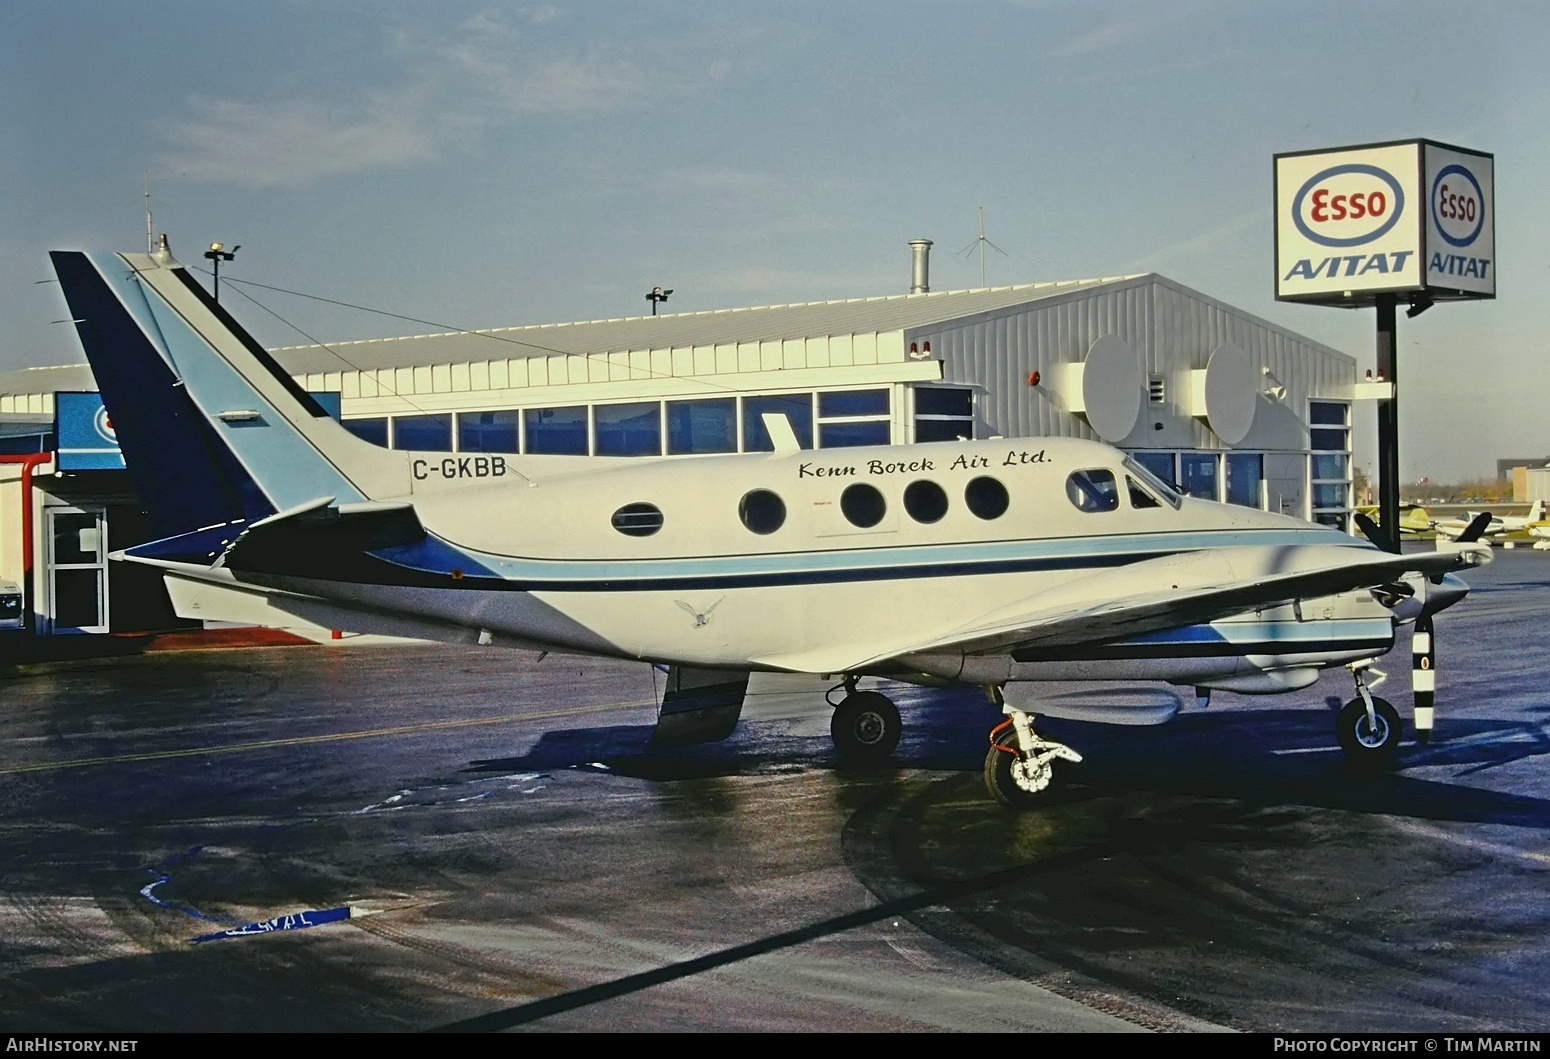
1020,764
866,725
1368,727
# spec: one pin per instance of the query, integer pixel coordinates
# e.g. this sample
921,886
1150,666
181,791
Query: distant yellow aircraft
1414,522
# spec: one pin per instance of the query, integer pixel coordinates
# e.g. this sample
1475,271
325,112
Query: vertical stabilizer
213,429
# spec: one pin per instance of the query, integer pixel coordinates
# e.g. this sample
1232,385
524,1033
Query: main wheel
1368,742
998,772
866,728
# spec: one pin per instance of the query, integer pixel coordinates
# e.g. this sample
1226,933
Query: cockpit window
1152,484
1139,497
1093,490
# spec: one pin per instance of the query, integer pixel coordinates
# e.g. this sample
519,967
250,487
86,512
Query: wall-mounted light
1274,388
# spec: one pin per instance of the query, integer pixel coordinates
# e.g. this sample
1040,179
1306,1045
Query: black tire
1366,744
998,774
866,728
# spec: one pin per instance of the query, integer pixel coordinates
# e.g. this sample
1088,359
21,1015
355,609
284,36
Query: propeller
1475,529
1420,598
1423,675
1372,532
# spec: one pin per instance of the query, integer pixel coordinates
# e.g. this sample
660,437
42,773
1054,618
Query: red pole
28,461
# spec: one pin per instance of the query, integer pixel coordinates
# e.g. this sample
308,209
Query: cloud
291,143
1137,23
493,66
1230,233
586,84
485,74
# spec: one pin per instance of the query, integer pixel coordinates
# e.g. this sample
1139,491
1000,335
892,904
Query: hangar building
1225,404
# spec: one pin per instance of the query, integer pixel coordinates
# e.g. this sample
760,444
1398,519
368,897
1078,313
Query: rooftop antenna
982,243
150,243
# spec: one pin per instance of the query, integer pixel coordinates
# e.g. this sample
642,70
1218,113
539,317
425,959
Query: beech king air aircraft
1001,563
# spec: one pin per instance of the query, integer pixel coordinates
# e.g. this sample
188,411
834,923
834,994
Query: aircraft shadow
1259,757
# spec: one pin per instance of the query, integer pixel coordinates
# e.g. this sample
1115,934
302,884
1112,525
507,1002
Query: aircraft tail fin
213,431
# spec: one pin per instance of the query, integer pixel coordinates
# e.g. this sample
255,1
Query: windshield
1153,483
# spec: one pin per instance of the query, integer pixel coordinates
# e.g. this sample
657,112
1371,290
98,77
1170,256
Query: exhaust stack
920,273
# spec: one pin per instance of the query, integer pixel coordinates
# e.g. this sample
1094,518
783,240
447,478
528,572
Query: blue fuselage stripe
849,566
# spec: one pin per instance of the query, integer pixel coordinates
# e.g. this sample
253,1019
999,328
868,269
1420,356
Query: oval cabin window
638,520
986,497
925,501
863,506
762,511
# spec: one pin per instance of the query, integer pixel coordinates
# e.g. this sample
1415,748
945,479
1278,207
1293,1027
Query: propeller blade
1423,676
1371,530
1475,529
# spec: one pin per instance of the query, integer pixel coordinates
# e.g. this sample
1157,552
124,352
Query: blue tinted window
1159,463
938,401
839,435
1329,495
1327,440
1327,413
701,426
944,430
1197,474
373,430
1245,471
628,429
553,431
488,431
798,410
423,433
1329,465
853,403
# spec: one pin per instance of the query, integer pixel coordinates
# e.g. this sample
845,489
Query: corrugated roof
678,330
57,378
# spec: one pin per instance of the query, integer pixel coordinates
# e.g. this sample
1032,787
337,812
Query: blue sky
487,164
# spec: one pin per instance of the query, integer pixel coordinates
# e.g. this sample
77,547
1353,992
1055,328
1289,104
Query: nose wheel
1020,764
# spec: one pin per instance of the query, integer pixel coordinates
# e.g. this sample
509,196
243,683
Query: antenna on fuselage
150,243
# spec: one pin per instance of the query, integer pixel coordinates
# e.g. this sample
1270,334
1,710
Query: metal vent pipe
920,273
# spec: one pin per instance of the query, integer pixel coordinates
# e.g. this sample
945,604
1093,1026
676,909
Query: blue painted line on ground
292,921
163,873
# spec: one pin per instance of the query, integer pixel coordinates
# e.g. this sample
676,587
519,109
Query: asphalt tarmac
371,838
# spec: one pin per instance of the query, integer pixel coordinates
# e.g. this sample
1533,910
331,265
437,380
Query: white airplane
1001,563
1499,527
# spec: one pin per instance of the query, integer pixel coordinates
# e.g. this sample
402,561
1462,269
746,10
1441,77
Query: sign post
1376,224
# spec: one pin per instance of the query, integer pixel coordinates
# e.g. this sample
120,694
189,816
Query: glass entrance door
78,569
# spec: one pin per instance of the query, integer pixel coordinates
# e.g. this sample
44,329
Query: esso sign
1458,206
1348,205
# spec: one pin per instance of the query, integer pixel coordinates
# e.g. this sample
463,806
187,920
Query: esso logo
1348,205
104,426
1458,205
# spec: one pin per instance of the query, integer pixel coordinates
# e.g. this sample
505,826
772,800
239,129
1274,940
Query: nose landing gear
1020,764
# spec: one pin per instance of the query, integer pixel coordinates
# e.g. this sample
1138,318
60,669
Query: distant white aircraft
1000,563
1499,527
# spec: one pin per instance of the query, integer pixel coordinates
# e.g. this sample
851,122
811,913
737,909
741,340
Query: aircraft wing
1170,592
